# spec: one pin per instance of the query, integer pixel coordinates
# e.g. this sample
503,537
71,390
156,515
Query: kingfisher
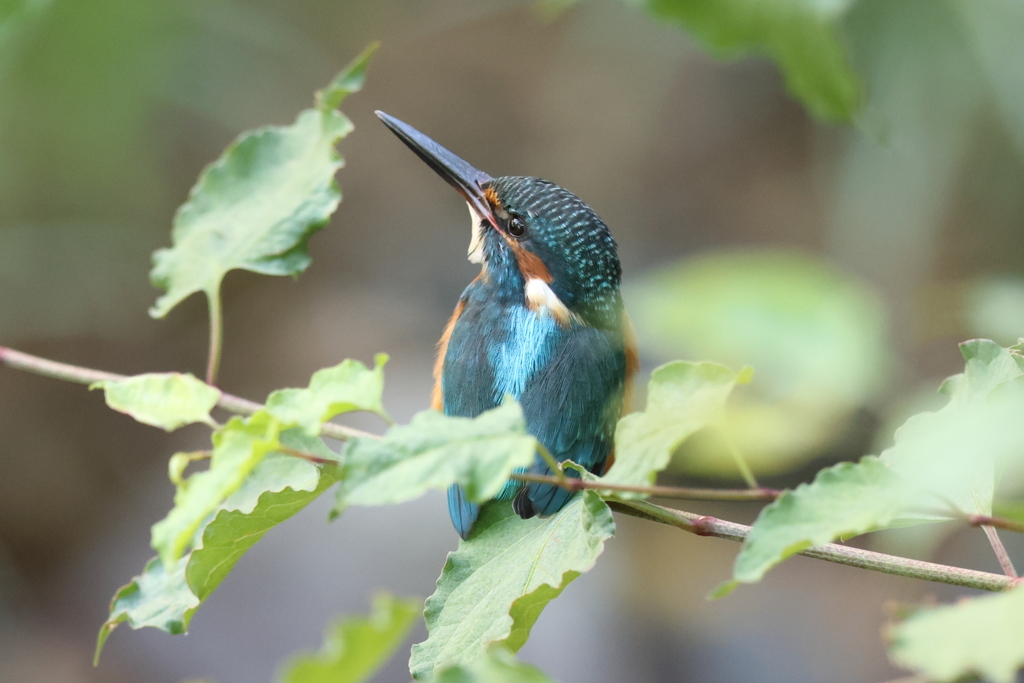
543,323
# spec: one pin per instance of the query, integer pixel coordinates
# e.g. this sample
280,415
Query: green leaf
846,499
239,446
256,207
347,387
942,458
435,451
802,36
156,598
276,489
16,15
987,365
978,637
165,400
348,81
952,455
493,588
356,647
682,398
497,666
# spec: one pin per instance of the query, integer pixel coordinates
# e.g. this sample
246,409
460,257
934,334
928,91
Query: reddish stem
573,484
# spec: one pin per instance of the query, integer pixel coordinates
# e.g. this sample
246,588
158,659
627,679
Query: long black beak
467,179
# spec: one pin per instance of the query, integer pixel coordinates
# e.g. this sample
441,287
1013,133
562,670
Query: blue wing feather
569,381
572,407
467,385
463,513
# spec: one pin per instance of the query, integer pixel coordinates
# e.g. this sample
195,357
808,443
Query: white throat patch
476,240
541,298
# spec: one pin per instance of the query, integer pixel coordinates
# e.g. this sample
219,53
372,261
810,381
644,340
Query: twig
696,524
306,456
831,552
244,406
216,336
660,491
554,465
51,368
952,512
997,522
74,373
1000,550
343,433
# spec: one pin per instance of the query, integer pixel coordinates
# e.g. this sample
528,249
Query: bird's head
535,240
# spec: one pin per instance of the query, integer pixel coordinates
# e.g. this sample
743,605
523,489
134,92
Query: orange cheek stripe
492,197
530,264
437,395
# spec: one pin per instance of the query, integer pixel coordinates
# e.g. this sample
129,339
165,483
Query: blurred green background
842,263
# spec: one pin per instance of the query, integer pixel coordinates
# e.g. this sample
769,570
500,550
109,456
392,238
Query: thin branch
1000,550
997,522
216,336
554,465
660,491
831,552
343,433
244,406
952,512
696,524
306,456
51,368
74,373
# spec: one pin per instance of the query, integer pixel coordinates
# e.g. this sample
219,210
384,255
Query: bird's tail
542,499
463,512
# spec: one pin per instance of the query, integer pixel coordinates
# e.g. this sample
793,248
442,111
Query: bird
543,322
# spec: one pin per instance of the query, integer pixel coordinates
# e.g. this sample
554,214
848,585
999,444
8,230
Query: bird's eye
516,227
